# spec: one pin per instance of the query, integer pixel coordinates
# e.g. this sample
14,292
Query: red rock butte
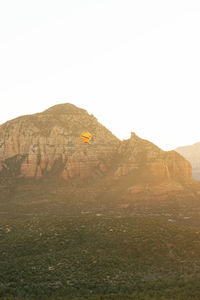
37,143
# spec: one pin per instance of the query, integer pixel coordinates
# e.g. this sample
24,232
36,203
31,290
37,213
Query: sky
133,64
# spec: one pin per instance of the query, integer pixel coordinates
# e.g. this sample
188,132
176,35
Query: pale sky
135,65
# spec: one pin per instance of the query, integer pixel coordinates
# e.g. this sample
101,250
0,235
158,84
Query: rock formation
151,162
54,135
50,140
192,154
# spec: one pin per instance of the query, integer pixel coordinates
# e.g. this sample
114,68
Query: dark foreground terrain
58,241
139,257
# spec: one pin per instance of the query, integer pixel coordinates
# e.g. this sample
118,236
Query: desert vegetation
99,257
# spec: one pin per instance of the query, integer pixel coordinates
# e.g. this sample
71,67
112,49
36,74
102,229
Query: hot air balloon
86,137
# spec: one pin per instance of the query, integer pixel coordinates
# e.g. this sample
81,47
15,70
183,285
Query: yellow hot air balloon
86,137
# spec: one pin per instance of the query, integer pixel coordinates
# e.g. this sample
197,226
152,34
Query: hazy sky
135,65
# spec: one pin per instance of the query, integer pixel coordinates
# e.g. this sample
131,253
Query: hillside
48,144
47,169
51,139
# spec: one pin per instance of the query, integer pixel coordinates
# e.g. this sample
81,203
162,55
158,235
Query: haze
135,65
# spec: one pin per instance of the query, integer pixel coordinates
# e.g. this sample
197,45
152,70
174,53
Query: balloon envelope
86,137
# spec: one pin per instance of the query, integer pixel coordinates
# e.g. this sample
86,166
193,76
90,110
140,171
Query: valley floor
140,257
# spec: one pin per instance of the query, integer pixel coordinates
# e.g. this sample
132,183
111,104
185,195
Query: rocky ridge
151,161
41,143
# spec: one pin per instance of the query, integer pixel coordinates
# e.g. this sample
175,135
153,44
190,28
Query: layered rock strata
42,140
54,135
150,161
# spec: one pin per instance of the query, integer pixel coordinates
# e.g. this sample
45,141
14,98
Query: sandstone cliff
192,154
40,143
54,135
150,162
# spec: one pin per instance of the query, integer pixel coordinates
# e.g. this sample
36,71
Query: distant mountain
192,154
46,147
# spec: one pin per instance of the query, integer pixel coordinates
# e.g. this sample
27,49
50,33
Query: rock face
192,154
44,139
151,163
49,141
